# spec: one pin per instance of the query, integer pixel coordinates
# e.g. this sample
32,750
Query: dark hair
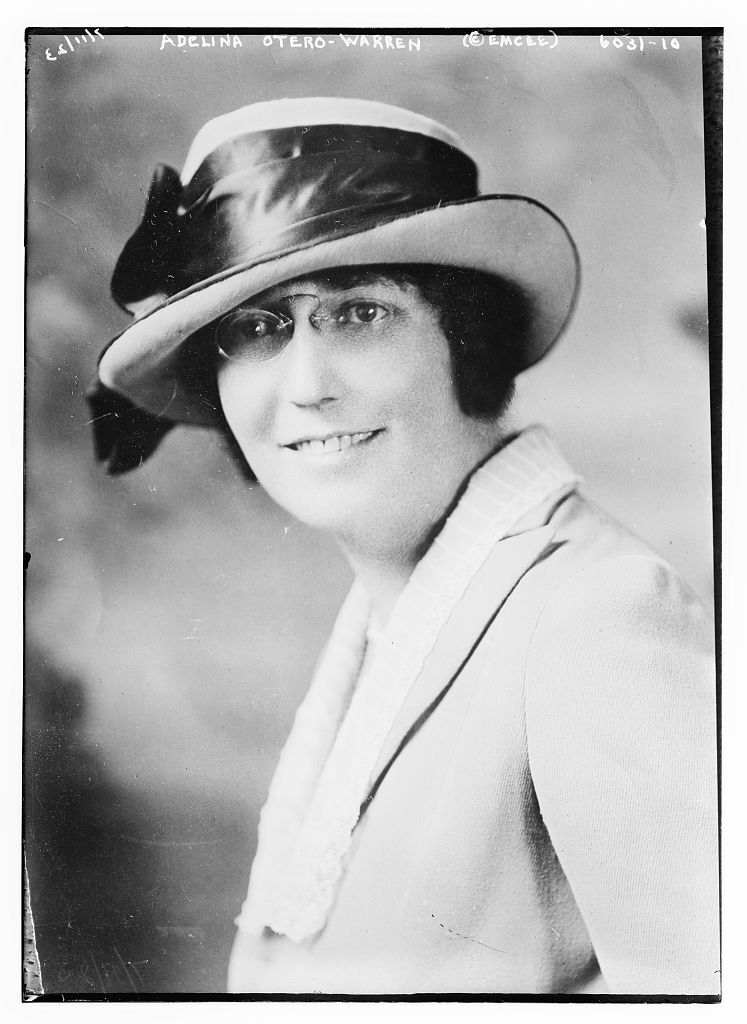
483,317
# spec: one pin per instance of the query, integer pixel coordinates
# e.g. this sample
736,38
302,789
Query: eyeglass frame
283,321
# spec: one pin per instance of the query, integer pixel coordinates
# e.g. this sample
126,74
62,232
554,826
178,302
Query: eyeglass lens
249,334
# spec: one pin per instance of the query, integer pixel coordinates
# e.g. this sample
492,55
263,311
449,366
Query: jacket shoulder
620,627
621,741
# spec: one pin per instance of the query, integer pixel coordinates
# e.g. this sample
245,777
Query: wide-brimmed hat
285,188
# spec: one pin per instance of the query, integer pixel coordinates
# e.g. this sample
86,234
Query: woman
502,777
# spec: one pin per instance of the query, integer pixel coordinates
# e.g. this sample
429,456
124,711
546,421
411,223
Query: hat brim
514,237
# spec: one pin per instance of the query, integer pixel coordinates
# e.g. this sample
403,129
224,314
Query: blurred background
173,615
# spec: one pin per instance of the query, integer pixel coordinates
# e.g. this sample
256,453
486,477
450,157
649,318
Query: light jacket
542,814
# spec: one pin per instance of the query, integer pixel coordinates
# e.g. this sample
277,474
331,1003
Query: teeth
340,443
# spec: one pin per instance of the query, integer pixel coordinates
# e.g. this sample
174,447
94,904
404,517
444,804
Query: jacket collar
465,627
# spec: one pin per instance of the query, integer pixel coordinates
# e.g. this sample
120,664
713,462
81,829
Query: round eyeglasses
252,335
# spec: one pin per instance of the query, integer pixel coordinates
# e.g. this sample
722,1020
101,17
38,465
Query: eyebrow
349,277
345,278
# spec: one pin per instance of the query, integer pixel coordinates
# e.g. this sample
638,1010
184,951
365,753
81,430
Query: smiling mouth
336,443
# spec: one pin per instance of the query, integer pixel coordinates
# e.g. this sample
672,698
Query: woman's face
343,404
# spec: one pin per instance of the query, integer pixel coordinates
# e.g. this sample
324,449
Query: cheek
247,404
425,388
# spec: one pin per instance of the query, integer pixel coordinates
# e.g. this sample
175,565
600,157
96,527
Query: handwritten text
86,37
192,41
481,39
375,42
636,42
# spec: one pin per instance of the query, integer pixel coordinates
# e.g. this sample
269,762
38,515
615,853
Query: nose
310,375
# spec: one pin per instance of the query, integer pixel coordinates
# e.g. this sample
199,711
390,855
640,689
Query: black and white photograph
372,412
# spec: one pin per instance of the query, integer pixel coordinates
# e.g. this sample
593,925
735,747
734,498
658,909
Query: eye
360,313
257,323
252,333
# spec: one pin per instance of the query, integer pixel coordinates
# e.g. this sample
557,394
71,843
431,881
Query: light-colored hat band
266,193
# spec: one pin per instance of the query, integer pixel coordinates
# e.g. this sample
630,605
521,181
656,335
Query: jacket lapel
489,588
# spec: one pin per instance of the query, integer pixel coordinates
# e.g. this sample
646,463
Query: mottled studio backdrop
174,614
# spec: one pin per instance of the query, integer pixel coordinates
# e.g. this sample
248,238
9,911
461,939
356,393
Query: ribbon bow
147,265
123,434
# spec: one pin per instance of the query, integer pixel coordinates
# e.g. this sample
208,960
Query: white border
393,13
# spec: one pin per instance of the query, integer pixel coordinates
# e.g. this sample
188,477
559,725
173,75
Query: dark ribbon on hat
268,193
148,262
124,435
260,196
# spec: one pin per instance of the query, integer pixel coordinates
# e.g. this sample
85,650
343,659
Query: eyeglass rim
283,320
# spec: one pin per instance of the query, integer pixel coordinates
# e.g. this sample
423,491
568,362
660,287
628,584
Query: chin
322,511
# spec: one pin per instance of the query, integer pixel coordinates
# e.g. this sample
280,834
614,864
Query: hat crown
254,193
291,113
